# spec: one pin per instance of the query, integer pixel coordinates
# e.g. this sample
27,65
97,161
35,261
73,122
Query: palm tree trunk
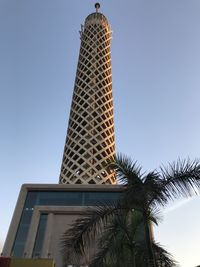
151,258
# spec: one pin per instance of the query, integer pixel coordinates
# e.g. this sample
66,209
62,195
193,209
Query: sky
156,88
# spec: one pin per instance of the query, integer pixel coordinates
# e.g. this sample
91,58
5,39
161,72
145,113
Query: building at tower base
45,211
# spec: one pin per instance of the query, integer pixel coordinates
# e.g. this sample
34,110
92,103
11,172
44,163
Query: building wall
48,221
59,220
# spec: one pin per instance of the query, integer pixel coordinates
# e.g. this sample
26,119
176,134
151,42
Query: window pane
40,236
95,198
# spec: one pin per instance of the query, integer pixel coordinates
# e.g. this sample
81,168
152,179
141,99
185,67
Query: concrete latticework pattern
90,137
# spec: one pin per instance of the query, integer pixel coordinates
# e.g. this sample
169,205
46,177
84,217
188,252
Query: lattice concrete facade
90,139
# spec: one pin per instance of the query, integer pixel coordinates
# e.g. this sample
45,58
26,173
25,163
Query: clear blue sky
156,86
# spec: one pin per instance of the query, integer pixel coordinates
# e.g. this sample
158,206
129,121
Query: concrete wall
59,220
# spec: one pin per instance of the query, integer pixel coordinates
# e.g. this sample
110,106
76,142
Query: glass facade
40,236
53,198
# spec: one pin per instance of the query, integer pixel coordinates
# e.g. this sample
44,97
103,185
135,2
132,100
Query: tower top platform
96,17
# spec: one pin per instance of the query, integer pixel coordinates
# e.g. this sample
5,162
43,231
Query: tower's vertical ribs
90,139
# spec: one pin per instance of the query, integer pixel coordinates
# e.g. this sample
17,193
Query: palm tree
119,234
145,192
142,193
122,243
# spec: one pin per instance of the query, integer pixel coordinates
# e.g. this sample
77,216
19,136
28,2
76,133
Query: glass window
40,236
60,198
18,250
97,198
31,199
23,227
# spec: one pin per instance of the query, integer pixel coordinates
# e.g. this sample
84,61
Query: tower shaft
90,139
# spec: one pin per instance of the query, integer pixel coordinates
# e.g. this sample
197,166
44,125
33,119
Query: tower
90,137
45,211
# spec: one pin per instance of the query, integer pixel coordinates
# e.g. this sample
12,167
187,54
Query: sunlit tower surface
90,141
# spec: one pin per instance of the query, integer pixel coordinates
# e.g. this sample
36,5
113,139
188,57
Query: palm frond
76,241
154,215
127,171
181,179
116,242
99,258
108,248
163,257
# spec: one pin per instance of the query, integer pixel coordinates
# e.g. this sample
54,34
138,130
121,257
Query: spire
97,6
90,139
